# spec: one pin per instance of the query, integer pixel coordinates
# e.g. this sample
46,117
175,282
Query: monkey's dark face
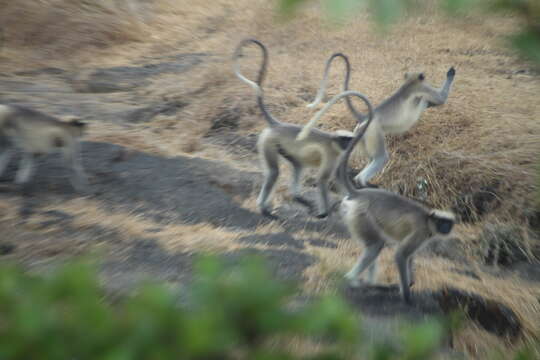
343,141
443,226
78,123
78,127
409,77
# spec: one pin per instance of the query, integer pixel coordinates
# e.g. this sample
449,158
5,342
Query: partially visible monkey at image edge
395,115
36,133
375,217
320,149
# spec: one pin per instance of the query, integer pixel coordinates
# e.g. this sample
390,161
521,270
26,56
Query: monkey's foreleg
5,157
410,271
72,155
26,169
403,259
295,184
268,185
436,97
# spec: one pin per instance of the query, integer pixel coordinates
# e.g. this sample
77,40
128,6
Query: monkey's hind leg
269,160
295,183
373,168
375,148
367,232
372,272
26,169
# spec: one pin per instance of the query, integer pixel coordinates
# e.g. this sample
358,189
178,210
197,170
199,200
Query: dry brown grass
481,137
435,274
58,27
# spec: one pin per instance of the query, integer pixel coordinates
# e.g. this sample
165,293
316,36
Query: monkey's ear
421,77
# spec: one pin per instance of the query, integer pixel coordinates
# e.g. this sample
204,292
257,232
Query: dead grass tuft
59,27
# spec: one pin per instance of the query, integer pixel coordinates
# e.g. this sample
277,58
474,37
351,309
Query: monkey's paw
267,213
353,280
451,72
303,201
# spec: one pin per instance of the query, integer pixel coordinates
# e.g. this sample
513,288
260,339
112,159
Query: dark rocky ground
178,190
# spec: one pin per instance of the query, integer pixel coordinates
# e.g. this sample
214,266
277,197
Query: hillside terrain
173,166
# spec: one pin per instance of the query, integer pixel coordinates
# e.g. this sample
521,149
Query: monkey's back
308,151
33,131
396,215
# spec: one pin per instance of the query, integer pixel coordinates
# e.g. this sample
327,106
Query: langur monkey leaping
375,217
318,150
395,115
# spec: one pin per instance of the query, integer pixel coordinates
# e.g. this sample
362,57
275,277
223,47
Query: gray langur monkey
36,133
376,217
395,115
318,150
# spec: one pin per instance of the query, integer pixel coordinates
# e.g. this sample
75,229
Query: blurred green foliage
229,312
526,41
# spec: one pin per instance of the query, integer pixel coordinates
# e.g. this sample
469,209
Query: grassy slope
487,132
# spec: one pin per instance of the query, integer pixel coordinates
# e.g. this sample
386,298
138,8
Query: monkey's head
77,126
343,138
414,76
441,222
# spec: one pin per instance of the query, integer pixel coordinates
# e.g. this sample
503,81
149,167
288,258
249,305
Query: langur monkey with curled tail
376,217
318,150
36,133
395,115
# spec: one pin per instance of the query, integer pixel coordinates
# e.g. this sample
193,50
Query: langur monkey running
319,150
395,115
375,217
36,133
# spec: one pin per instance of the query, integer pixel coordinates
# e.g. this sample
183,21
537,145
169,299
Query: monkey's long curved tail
324,82
260,77
341,171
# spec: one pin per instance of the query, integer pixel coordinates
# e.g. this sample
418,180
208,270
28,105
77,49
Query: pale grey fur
36,133
375,217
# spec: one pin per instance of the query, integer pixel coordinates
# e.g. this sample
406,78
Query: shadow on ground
180,189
